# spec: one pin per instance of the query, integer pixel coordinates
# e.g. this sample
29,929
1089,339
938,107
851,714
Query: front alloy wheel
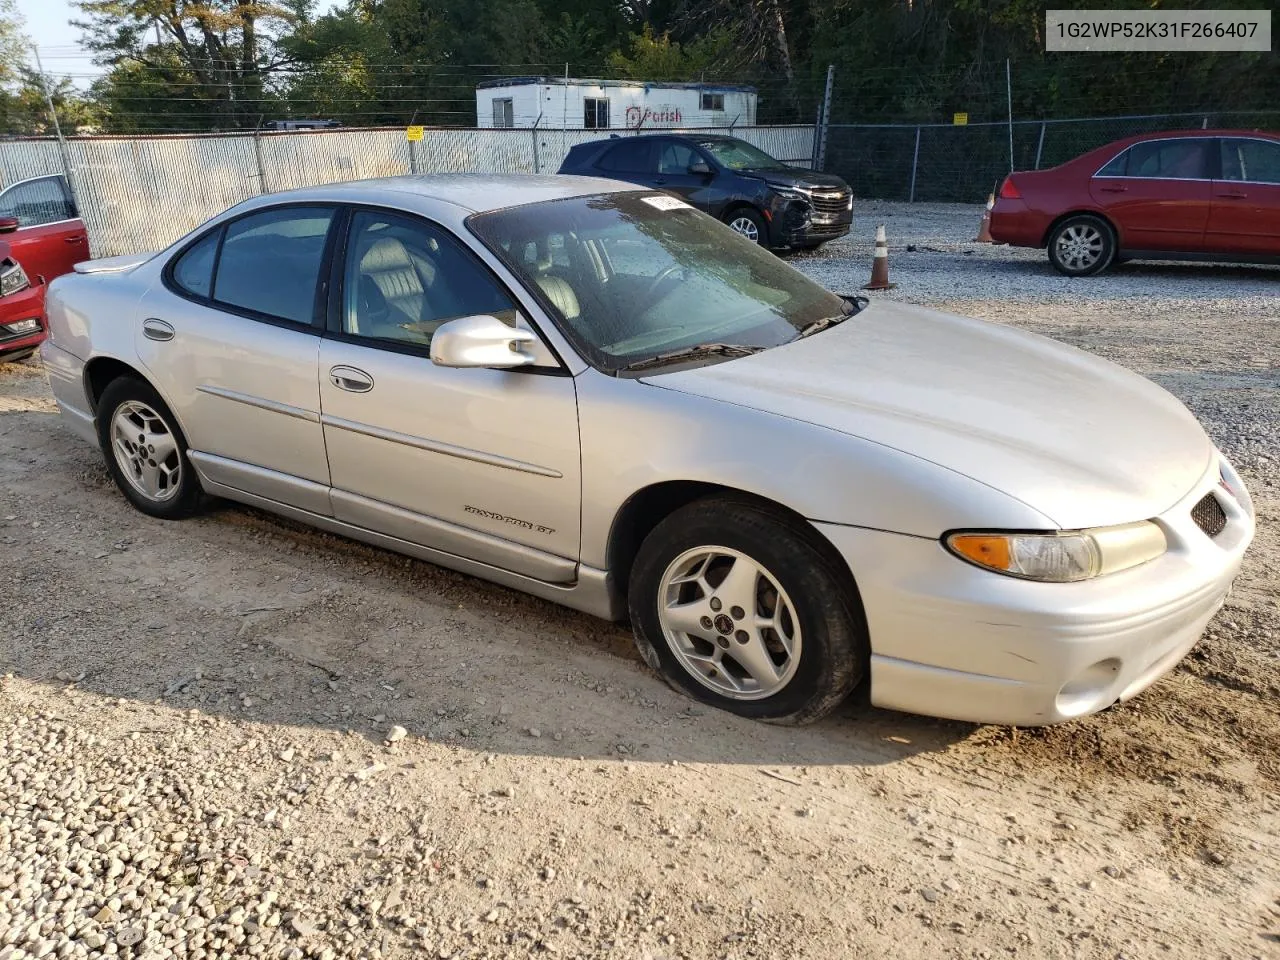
729,623
740,605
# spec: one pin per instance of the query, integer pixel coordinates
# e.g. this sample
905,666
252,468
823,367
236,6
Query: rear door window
194,270
270,262
1117,167
635,156
1250,161
1182,159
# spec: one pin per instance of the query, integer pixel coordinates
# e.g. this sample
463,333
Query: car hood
1079,439
805,179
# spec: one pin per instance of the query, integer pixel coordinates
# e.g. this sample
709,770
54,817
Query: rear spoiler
114,264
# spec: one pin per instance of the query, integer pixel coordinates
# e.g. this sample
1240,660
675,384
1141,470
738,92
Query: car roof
679,134
476,192
1099,155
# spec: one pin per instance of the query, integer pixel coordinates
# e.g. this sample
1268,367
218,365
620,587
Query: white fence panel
23,159
293,160
792,145
479,151
141,193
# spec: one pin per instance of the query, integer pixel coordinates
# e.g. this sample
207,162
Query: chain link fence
142,193
948,163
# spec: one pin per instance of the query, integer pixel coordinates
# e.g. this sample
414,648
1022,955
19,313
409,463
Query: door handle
350,379
74,239
1233,196
154,329
1114,189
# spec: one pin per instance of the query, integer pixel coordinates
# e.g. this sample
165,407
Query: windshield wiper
855,305
693,353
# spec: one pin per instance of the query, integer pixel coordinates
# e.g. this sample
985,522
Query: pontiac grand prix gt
599,395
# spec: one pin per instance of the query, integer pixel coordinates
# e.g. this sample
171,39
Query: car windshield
633,275
740,155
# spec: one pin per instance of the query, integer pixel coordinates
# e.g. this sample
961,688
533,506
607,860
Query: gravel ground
236,736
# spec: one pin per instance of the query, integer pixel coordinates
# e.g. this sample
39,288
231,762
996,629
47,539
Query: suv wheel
736,607
750,224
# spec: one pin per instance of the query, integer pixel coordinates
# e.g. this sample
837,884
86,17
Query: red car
41,237
1187,195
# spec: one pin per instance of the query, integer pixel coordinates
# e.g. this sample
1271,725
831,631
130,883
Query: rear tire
749,223
739,608
1082,245
145,450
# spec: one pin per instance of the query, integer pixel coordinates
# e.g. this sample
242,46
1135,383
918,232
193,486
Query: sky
48,27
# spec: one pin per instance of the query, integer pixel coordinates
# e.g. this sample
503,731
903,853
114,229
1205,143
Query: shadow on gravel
263,621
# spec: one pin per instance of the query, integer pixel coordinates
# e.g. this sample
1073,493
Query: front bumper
796,223
951,640
26,304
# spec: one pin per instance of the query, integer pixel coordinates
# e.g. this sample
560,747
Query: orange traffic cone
880,264
984,228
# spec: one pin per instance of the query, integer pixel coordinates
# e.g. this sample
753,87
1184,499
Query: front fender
635,435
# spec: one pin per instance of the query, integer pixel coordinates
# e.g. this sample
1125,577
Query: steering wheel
663,276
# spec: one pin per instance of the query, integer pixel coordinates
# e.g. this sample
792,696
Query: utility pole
57,127
826,116
1008,86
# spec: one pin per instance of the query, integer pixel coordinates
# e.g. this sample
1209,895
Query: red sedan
41,237
1187,195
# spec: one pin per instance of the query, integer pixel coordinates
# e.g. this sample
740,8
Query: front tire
750,224
1082,245
738,607
145,451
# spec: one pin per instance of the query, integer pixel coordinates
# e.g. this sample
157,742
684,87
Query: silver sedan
600,396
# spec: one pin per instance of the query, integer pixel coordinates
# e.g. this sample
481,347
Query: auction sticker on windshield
665,203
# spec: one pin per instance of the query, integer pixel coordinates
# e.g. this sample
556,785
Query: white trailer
576,104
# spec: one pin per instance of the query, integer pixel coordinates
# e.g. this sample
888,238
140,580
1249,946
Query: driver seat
387,266
561,295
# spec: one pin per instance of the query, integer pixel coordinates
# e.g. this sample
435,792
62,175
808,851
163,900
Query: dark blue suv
762,198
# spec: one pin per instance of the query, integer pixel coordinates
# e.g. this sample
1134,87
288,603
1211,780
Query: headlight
791,193
12,278
1064,556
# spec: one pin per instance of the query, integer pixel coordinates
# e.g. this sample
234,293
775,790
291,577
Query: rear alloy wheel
739,608
146,454
1082,245
748,223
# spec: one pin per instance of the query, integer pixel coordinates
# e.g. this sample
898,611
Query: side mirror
700,168
8,224
480,341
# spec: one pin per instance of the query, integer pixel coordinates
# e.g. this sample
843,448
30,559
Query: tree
224,51
651,57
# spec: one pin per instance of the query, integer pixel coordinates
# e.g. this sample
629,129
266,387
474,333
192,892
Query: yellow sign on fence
413,134
960,119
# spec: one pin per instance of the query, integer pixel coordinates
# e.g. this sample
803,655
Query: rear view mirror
700,168
480,341
8,224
